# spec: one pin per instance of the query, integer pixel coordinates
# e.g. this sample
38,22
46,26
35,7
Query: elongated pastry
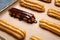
32,5
12,30
54,13
57,3
55,28
22,15
34,38
48,1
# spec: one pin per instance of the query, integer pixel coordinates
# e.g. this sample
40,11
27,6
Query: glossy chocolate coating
22,15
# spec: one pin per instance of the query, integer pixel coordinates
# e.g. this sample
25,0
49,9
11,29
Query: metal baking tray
5,3
31,29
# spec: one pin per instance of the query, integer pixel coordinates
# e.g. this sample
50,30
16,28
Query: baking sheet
31,29
5,3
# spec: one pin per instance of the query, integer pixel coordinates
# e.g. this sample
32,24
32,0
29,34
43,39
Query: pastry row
20,34
37,6
56,2
29,17
12,30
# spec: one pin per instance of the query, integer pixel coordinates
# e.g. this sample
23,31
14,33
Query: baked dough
34,38
54,13
12,30
32,5
57,3
48,1
55,28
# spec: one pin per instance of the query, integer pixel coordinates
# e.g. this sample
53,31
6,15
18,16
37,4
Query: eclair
57,3
47,1
32,5
12,30
34,38
54,13
22,15
55,28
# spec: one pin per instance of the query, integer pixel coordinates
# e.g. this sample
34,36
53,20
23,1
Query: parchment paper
31,29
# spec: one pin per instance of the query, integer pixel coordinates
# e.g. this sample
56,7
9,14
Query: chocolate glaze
22,14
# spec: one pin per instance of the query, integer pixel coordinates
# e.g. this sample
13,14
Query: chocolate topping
28,17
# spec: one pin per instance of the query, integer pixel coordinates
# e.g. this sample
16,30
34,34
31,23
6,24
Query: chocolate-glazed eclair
55,28
34,38
57,3
54,13
32,5
18,33
22,15
47,1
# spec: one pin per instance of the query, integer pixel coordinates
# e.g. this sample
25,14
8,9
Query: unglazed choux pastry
12,30
32,5
34,38
48,1
54,13
57,3
55,28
